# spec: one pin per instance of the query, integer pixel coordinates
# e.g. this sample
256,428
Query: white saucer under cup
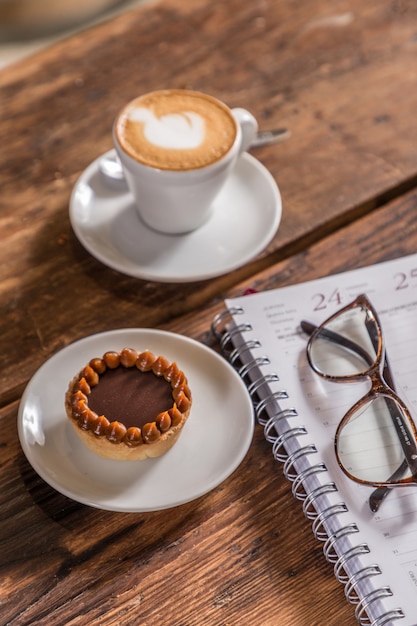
245,217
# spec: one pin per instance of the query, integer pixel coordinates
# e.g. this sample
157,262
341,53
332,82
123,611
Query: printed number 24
323,301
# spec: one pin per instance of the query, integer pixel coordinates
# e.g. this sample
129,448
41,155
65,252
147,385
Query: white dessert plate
246,215
213,442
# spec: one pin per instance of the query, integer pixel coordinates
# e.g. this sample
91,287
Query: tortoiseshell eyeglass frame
379,387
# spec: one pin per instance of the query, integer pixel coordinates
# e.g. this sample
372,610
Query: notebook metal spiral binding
270,421
364,603
318,526
361,611
246,369
329,550
220,327
228,336
237,352
298,487
270,415
309,503
386,619
340,566
255,387
289,469
278,447
222,320
270,432
350,587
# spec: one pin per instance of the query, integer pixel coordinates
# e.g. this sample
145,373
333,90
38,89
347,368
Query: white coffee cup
177,149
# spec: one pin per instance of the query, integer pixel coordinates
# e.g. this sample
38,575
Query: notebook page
275,318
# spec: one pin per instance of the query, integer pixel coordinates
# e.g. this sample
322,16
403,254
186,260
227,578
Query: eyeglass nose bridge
378,383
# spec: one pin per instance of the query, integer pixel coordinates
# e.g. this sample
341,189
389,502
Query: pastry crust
113,440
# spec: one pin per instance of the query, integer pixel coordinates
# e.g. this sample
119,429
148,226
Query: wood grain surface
243,554
341,76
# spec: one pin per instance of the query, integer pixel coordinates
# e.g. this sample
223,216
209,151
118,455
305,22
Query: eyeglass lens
368,445
345,347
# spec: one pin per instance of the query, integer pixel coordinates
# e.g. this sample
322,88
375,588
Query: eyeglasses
376,440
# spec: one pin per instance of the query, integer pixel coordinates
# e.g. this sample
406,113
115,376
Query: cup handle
248,125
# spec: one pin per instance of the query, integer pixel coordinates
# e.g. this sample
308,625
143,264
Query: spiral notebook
374,555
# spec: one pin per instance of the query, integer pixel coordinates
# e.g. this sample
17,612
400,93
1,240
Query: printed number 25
402,279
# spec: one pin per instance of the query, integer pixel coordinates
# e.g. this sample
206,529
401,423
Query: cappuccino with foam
178,149
176,130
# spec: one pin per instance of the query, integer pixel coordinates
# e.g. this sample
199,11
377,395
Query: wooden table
341,76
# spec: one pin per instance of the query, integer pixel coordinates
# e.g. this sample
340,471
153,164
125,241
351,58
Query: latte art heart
175,131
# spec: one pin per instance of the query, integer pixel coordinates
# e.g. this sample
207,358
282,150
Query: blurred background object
29,25
27,19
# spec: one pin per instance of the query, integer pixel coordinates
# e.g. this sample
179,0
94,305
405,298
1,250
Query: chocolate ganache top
131,397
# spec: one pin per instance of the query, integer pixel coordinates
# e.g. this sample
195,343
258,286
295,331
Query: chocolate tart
129,405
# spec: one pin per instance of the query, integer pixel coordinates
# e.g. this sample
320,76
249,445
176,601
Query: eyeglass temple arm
378,495
409,450
330,335
408,446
